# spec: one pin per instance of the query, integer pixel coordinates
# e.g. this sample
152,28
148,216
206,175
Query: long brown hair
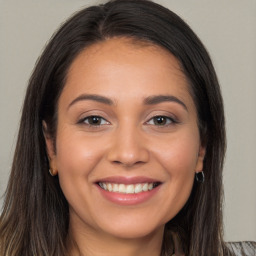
35,216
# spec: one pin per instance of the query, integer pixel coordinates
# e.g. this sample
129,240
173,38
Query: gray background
227,28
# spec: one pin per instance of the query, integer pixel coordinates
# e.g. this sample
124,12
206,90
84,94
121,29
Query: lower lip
128,199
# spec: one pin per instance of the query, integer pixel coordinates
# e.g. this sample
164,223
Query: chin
134,231
131,226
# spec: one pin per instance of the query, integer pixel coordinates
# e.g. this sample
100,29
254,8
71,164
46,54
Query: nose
128,147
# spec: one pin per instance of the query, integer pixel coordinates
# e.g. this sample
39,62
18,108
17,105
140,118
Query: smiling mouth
128,188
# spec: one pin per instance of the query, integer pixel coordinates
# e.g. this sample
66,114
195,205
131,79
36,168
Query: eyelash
83,121
167,121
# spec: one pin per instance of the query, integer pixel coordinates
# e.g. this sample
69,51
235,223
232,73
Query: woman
121,142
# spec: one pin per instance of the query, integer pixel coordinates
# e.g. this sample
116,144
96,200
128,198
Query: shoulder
242,248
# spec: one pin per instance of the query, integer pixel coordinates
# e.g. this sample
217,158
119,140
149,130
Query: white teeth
145,187
121,188
127,189
138,188
115,188
109,186
130,189
150,186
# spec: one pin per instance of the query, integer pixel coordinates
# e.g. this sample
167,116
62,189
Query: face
127,143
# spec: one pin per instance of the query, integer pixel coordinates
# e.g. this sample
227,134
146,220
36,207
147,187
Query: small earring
200,177
53,173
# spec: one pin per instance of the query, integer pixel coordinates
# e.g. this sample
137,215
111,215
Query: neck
89,242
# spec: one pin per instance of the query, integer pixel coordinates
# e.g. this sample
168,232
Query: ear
200,159
50,148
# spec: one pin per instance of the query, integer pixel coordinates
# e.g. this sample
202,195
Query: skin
128,141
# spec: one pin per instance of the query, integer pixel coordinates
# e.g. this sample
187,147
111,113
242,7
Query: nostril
128,163
117,162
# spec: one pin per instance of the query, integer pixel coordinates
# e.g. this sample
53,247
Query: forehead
122,66
126,51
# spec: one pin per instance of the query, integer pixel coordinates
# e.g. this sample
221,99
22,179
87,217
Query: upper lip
128,180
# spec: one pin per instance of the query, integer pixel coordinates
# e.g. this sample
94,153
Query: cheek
179,155
178,158
76,155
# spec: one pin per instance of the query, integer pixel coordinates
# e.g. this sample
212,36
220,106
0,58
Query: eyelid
82,120
171,120
167,118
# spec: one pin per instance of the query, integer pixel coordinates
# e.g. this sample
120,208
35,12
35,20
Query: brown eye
161,121
95,120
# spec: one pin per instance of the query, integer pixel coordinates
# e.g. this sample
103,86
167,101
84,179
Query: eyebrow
151,100
93,97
